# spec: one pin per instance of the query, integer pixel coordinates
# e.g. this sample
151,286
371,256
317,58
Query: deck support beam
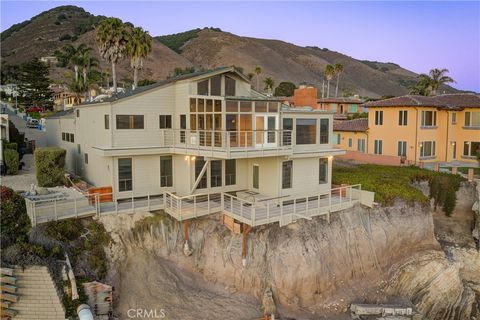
186,246
246,230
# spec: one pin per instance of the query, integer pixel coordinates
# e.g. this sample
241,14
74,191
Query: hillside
204,48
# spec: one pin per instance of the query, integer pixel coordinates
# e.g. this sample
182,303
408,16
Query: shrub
50,163
10,145
14,221
12,160
65,230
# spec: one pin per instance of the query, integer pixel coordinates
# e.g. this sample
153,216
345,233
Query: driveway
24,179
30,133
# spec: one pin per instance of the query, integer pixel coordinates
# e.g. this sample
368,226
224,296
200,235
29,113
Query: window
72,137
287,133
199,164
78,113
79,149
64,136
287,175
324,128
229,87
130,122
350,142
378,118
85,158
402,149
454,118
230,172
471,148
306,131
454,151
378,147
216,85
427,149
361,145
125,174
256,176
166,171
107,121
323,171
183,125
472,119
216,173
165,121
260,106
402,117
202,88
352,108
429,118
336,138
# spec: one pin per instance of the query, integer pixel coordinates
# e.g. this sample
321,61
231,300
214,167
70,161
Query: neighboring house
307,96
444,128
50,60
65,100
202,133
351,135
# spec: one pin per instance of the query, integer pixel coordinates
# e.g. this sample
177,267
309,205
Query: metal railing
192,206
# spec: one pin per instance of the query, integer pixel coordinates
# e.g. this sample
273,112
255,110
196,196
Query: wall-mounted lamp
330,157
193,158
186,158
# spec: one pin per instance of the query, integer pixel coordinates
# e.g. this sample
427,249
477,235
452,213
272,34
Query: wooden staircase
8,294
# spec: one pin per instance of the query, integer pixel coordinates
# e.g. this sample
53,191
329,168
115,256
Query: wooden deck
283,211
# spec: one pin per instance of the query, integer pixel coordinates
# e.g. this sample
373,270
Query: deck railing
192,206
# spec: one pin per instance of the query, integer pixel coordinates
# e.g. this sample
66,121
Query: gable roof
355,125
454,101
198,74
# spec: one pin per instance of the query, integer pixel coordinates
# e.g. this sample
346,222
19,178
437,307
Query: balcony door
265,130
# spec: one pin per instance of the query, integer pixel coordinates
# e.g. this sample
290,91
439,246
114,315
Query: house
351,135
204,142
443,128
307,95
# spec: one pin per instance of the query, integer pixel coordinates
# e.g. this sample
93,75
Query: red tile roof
340,100
355,125
445,101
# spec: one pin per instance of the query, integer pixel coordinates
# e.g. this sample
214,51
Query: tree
437,78
77,87
338,69
257,71
139,45
250,75
423,86
269,84
72,56
34,83
329,73
285,89
112,39
49,164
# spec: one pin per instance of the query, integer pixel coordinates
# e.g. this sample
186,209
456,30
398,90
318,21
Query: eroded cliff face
314,268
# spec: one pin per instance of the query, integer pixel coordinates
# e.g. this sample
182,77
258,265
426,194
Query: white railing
192,206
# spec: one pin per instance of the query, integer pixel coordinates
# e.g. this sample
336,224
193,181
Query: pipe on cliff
84,312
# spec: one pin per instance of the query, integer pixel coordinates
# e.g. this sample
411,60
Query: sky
418,36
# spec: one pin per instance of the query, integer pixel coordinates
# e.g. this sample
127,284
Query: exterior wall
445,134
306,96
361,157
346,135
341,108
54,129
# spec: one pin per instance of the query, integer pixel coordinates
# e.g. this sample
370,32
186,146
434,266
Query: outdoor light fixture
186,158
193,158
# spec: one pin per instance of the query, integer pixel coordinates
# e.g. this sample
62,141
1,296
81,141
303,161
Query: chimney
305,96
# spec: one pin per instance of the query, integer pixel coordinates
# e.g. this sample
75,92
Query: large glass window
230,172
402,117
472,119
229,87
107,121
256,176
306,131
402,148
429,118
324,129
260,106
287,174
199,163
216,173
361,145
216,85
183,125
165,121
378,147
378,117
427,149
202,88
166,171
323,171
125,174
130,121
471,148
287,133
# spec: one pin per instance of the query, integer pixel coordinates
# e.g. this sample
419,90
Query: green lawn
388,182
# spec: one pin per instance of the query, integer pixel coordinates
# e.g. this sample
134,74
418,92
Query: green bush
12,160
14,221
10,145
50,163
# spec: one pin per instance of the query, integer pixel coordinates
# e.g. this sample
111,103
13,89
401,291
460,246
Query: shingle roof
355,125
446,101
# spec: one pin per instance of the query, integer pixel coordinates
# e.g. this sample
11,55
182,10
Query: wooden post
246,230
470,174
185,230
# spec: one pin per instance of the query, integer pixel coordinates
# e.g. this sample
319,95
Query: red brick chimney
305,96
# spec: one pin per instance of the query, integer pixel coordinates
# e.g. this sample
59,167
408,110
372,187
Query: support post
246,230
185,230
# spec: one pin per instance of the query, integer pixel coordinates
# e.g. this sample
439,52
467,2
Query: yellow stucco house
351,135
444,128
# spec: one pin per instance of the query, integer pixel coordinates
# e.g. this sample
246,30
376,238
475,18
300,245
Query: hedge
10,145
11,160
49,164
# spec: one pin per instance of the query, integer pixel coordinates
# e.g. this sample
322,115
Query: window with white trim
427,149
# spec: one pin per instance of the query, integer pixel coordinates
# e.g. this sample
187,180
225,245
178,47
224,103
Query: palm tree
338,69
72,56
139,45
437,78
257,71
423,86
250,75
269,84
112,40
77,87
329,73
